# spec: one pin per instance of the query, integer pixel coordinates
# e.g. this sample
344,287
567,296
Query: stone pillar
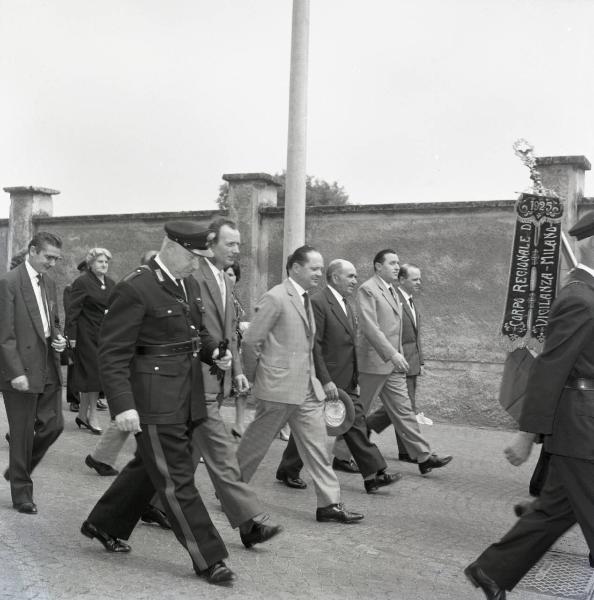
247,193
26,202
565,175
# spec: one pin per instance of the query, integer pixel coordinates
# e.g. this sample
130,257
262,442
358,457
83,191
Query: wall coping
346,208
578,160
400,207
246,177
31,188
156,216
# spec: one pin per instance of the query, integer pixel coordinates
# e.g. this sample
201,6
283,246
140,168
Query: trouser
393,394
567,498
308,428
163,462
110,445
211,441
379,420
366,454
35,422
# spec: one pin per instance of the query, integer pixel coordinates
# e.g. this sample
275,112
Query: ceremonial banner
534,269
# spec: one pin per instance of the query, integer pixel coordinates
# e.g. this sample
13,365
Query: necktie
41,283
393,293
306,305
410,300
180,285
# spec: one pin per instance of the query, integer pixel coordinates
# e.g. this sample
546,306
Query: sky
142,105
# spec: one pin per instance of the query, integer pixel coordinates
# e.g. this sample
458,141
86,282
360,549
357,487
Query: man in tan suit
278,355
382,366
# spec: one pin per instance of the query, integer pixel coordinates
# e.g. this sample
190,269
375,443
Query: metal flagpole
294,227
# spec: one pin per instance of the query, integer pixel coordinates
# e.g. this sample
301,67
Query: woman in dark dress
88,302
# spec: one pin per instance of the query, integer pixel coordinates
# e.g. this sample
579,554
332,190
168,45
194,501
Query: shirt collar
164,269
338,296
299,289
406,295
32,272
216,272
585,268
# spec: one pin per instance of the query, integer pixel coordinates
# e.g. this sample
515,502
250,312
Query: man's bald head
342,276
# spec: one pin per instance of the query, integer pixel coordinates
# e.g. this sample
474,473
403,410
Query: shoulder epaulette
136,272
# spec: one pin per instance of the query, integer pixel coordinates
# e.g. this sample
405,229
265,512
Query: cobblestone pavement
416,538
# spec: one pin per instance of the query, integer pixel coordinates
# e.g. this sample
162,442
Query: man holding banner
559,405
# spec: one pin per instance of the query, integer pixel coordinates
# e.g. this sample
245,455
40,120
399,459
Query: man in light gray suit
382,366
278,355
210,438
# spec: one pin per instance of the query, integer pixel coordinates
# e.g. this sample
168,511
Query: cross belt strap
188,347
580,383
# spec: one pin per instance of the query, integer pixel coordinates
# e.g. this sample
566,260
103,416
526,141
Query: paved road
416,538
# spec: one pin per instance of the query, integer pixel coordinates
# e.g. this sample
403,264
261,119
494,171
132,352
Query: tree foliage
318,192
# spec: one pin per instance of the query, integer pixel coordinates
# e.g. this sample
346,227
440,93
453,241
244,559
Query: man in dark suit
335,360
30,343
151,345
559,405
409,284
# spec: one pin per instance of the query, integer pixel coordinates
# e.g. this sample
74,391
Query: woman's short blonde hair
94,253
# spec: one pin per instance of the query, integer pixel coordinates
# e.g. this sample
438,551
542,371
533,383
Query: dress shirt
220,277
341,300
40,304
411,305
299,289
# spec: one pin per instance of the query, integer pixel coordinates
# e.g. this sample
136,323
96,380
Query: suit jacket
335,353
565,416
380,329
220,323
148,309
411,337
278,347
23,347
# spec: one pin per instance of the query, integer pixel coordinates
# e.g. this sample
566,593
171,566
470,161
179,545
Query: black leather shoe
111,544
337,512
404,457
479,578
434,462
217,574
28,508
348,466
74,407
153,516
101,404
381,480
293,482
259,533
102,469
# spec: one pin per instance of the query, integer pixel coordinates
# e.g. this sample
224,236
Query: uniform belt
188,347
580,383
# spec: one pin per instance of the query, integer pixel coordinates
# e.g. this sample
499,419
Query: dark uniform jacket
147,309
335,355
23,347
411,338
565,416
